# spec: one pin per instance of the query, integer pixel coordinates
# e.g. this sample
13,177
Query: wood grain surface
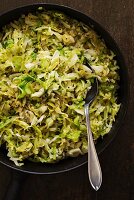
117,161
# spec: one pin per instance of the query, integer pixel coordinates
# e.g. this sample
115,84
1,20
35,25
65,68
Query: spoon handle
94,169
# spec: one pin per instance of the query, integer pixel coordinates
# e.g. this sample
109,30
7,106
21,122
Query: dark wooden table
117,161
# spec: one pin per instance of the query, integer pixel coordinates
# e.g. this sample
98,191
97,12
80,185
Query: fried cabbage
43,83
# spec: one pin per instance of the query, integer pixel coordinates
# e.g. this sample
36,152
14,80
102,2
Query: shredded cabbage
43,83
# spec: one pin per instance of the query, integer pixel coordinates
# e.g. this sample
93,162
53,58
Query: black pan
72,163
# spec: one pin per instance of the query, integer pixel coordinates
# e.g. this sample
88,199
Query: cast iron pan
70,163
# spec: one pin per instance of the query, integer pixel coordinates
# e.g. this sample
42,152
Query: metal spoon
94,169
